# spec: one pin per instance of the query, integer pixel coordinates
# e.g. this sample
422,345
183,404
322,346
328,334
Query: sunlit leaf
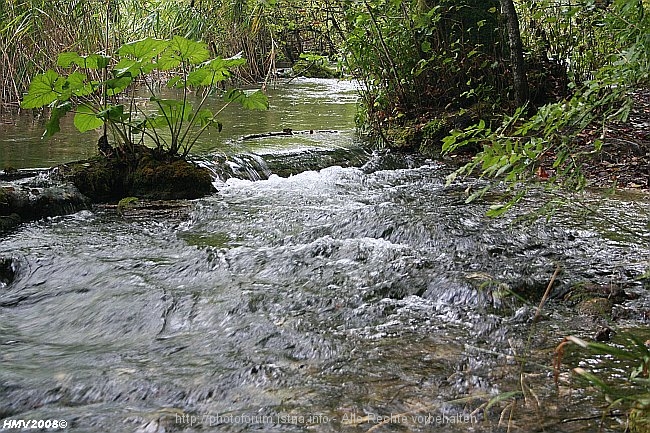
197,78
41,90
182,50
127,67
143,49
97,61
169,60
93,61
312,57
66,59
235,61
191,51
86,119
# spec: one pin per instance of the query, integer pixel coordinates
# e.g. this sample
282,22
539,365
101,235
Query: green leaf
97,61
93,61
117,85
86,119
169,60
312,57
156,122
254,101
53,124
234,61
197,78
183,50
170,110
166,102
214,71
176,82
114,113
128,67
66,59
143,49
41,90
205,117
77,84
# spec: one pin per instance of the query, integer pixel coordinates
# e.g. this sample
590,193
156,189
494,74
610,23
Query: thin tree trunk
516,52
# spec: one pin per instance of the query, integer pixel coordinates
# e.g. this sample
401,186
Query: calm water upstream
361,298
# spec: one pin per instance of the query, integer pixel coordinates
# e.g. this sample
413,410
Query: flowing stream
359,295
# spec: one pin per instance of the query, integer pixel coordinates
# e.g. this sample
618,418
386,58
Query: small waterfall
255,167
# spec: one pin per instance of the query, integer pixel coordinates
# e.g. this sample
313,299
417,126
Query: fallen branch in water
288,131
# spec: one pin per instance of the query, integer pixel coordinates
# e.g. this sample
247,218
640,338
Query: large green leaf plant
102,92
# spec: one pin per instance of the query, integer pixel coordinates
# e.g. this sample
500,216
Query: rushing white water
336,299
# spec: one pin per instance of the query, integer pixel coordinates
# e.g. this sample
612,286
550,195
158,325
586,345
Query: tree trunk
516,52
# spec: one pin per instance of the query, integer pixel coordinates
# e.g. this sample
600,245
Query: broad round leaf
86,119
143,49
41,90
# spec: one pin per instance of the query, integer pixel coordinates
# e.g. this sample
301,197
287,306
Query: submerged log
288,131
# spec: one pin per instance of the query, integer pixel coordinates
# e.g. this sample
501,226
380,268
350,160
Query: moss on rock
100,179
146,175
169,180
408,136
596,307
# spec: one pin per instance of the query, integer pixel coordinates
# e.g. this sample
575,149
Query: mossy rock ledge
26,202
145,175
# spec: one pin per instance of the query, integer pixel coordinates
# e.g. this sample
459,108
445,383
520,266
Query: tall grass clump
33,32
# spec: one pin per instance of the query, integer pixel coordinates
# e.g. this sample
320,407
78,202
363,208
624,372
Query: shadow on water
359,298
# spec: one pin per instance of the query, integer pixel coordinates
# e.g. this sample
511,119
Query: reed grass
33,32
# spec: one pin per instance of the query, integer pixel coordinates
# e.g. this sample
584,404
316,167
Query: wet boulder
21,202
8,269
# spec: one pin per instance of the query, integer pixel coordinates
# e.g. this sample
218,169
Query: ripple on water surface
338,293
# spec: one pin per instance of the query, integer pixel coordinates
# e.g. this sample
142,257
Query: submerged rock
7,271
